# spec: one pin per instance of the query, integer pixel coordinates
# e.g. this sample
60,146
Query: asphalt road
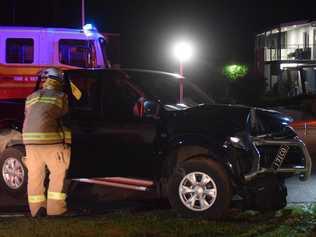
304,191
301,191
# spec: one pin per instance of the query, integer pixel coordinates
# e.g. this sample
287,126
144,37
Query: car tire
13,178
200,188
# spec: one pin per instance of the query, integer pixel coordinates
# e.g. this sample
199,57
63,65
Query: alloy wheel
13,173
197,191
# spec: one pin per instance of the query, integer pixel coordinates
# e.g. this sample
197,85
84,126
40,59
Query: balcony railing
291,52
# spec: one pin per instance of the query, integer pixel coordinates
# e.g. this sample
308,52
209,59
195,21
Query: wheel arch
15,143
187,148
10,137
221,182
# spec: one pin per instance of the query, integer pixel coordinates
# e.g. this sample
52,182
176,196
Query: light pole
83,17
183,52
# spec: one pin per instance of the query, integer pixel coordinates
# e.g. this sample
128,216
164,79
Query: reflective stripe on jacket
43,112
67,135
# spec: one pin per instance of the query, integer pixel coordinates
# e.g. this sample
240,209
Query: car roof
124,70
127,72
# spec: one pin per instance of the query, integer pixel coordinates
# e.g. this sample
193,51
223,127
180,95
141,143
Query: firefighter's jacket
44,110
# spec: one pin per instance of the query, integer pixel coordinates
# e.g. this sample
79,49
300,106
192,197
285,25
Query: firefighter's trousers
56,158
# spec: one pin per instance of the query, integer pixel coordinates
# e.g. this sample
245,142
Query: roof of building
288,25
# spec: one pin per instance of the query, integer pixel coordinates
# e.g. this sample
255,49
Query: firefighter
46,142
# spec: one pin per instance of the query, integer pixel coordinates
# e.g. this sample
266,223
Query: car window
119,98
88,105
166,88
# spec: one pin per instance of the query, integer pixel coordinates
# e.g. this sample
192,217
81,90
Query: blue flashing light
88,29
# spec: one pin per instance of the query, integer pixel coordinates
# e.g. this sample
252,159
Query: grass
294,221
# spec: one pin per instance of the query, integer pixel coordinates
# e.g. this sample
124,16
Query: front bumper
304,170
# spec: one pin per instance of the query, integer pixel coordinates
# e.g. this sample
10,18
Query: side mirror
151,109
146,108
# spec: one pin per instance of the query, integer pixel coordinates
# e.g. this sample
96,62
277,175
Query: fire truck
24,51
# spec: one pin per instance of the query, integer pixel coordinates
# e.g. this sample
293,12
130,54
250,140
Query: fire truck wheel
13,178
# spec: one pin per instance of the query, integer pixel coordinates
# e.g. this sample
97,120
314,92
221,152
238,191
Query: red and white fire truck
24,51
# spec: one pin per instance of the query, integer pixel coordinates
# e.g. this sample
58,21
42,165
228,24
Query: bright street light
183,52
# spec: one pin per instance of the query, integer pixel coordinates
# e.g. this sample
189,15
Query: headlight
237,142
234,139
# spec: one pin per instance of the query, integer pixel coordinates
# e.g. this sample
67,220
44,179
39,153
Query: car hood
226,118
276,115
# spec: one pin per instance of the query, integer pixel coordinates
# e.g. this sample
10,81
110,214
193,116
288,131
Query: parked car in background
129,131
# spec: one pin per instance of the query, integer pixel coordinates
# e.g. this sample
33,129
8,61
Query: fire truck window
19,50
79,53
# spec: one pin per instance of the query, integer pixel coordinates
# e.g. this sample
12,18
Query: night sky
223,31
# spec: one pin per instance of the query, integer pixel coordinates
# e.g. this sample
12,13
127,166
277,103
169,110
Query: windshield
165,87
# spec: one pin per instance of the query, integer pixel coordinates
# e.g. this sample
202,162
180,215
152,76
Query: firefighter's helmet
52,73
53,78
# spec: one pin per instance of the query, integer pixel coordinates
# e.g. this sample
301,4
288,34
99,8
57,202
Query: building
286,58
